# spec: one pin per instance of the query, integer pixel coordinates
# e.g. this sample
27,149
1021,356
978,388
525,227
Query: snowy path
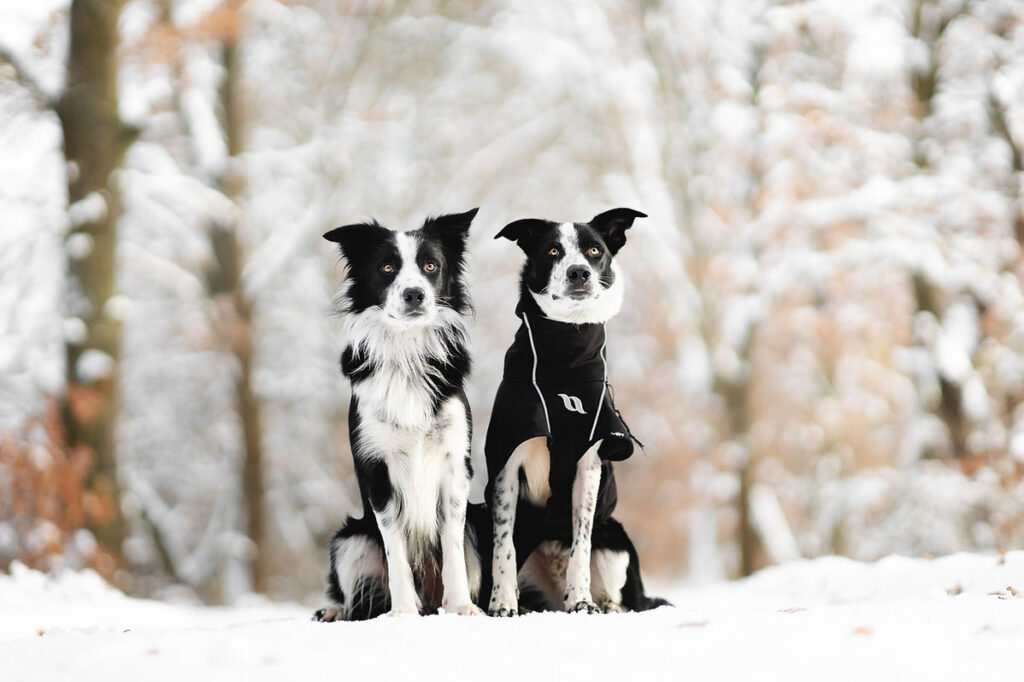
827,619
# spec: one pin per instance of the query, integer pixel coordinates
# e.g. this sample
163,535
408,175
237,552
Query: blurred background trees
823,344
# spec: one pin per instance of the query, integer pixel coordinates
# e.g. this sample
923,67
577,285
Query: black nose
413,297
578,274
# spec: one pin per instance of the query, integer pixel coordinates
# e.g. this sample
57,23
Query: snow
94,365
831,618
91,208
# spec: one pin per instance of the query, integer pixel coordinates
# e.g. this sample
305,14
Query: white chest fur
423,463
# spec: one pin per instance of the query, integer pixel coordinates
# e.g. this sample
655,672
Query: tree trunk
95,141
235,309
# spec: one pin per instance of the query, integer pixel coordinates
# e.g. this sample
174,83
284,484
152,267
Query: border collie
405,307
555,431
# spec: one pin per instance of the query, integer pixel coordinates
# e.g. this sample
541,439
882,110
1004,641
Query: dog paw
610,607
469,609
583,607
329,614
502,610
410,610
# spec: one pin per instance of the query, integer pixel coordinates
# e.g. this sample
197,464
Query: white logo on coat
572,403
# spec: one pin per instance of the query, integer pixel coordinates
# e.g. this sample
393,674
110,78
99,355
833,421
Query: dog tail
649,603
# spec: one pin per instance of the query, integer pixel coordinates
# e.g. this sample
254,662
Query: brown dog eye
553,251
388,268
430,266
594,251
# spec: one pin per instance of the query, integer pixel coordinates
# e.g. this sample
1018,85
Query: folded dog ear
612,225
355,240
523,232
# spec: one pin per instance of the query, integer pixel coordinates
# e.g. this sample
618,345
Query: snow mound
953,618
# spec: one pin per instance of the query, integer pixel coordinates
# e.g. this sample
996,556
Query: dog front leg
505,593
584,504
456,598
396,554
404,599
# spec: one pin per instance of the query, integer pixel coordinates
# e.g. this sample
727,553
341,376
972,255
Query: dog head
411,277
570,267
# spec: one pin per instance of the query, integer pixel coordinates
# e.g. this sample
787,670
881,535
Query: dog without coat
405,306
554,429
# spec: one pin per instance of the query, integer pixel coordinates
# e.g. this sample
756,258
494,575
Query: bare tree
95,141
233,303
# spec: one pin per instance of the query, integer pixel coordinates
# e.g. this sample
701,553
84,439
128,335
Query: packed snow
954,618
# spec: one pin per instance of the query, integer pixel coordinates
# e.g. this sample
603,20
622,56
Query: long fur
405,308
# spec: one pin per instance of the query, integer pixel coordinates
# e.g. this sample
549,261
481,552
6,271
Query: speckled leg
505,593
584,503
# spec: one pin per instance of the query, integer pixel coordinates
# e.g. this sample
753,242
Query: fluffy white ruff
398,392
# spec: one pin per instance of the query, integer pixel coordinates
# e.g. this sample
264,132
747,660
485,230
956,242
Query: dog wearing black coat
404,310
555,431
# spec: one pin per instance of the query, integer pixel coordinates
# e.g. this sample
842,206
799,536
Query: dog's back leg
357,582
615,567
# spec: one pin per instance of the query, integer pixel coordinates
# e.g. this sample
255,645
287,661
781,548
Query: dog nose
413,297
578,274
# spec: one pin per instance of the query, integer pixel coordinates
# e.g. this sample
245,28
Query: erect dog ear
356,240
612,226
524,232
454,226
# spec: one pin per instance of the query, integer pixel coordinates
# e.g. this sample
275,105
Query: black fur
374,257
545,244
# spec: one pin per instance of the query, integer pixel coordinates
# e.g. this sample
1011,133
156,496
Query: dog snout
578,274
413,298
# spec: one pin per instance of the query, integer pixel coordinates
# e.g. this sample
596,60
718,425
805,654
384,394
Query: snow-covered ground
954,618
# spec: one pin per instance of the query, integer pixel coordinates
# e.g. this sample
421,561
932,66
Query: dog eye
553,251
430,266
388,267
594,251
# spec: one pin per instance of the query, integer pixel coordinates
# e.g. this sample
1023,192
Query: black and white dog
555,431
405,307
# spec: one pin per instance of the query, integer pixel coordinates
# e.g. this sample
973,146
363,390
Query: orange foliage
46,501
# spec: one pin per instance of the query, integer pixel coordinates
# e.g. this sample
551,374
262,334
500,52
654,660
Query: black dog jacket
556,385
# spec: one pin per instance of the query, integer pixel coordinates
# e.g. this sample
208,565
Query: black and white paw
329,614
502,609
583,606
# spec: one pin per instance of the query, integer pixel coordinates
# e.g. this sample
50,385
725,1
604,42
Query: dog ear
523,232
452,230
612,226
454,226
356,240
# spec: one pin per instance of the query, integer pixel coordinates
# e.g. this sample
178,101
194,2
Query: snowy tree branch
22,75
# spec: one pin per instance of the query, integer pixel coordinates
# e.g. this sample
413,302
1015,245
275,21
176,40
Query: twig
23,76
